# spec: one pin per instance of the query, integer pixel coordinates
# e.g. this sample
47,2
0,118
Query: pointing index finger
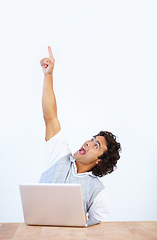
50,54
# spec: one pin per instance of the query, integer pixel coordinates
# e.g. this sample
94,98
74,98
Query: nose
88,144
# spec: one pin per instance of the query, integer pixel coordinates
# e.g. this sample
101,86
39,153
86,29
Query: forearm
49,105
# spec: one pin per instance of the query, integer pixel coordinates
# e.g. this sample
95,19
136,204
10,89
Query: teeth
80,151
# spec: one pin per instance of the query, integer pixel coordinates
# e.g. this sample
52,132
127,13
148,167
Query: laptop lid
52,204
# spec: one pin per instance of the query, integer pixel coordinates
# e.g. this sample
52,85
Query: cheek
92,154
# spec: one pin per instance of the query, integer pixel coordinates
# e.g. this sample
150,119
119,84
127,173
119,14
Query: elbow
48,118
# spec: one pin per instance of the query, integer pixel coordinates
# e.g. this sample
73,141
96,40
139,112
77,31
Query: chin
75,155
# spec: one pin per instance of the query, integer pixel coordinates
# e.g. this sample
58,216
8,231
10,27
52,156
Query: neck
83,168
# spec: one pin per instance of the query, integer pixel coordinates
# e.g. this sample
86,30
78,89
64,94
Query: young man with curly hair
96,157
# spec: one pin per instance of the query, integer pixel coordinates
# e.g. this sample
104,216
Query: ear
98,160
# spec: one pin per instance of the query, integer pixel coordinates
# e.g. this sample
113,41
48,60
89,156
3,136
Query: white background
104,78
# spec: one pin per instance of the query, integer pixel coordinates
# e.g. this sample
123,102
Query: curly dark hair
110,157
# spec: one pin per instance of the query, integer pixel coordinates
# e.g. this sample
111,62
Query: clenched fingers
45,61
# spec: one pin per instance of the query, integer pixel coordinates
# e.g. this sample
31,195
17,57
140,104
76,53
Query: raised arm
49,105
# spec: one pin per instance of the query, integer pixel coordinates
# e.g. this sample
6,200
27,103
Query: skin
94,147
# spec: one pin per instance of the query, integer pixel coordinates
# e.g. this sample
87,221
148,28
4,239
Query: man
96,157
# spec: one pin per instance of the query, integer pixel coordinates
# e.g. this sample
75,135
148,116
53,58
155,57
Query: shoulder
96,181
55,148
96,186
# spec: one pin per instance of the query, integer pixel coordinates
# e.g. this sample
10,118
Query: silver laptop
52,204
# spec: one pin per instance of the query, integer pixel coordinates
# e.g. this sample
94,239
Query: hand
48,63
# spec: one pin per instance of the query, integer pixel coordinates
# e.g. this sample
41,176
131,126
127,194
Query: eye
92,139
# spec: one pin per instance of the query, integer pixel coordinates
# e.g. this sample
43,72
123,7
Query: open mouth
82,151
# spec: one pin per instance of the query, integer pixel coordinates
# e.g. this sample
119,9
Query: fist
48,63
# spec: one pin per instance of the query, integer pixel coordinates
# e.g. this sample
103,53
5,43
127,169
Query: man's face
90,151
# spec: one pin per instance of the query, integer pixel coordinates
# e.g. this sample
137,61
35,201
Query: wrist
48,75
